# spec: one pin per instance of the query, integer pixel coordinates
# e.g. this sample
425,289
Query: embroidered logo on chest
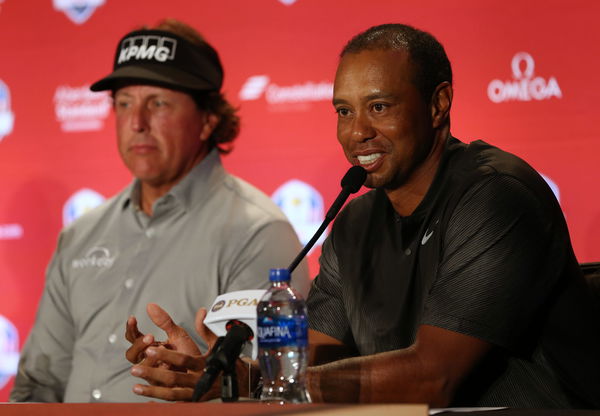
98,257
428,234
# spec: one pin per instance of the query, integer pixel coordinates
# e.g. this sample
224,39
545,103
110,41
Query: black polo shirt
487,254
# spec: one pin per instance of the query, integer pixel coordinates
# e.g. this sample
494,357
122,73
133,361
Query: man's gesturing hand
178,339
173,368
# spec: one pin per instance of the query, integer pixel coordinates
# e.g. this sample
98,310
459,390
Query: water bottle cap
279,275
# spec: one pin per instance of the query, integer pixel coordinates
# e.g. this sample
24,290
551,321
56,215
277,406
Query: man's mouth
142,148
368,159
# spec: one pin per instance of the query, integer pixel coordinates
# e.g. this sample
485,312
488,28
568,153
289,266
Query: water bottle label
282,332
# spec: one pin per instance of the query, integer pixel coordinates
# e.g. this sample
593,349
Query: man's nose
362,128
139,118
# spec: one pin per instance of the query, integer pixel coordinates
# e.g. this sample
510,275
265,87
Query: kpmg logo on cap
7,117
79,203
303,206
147,47
9,350
77,10
524,86
258,86
79,109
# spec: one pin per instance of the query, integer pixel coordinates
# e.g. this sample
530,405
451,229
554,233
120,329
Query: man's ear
210,122
441,101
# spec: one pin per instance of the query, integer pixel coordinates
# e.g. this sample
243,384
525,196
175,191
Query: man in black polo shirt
454,280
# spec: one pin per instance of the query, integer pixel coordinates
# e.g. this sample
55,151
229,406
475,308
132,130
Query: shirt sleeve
501,259
326,312
45,361
273,245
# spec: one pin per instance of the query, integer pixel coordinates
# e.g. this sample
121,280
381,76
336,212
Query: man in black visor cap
182,233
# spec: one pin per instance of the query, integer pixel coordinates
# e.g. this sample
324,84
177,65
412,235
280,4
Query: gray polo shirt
212,233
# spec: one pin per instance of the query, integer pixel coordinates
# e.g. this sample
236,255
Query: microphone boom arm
351,183
308,245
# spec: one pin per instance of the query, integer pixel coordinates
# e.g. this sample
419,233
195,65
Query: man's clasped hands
173,367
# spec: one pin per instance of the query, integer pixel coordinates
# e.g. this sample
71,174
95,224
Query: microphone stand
222,360
209,375
229,384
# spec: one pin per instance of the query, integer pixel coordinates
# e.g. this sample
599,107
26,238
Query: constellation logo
258,85
303,206
254,87
96,257
79,203
158,48
77,10
79,109
7,117
9,350
523,87
11,231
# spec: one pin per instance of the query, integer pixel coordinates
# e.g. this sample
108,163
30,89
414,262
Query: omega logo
516,65
524,86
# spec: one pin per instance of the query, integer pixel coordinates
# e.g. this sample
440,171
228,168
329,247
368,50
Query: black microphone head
354,179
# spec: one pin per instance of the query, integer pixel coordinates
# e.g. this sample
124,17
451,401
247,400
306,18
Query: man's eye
342,112
378,107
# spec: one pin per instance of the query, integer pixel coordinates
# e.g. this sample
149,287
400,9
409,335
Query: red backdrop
524,80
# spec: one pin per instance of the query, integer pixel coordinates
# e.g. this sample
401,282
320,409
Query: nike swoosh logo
426,237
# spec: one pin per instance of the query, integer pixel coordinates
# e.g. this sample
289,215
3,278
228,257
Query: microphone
232,315
241,305
351,183
222,359
235,306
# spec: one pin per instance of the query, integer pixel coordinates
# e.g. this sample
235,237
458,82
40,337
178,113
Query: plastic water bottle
283,341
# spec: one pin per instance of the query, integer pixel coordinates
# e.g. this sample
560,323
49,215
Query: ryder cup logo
79,203
77,10
147,47
7,118
9,350
303,206
524,86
